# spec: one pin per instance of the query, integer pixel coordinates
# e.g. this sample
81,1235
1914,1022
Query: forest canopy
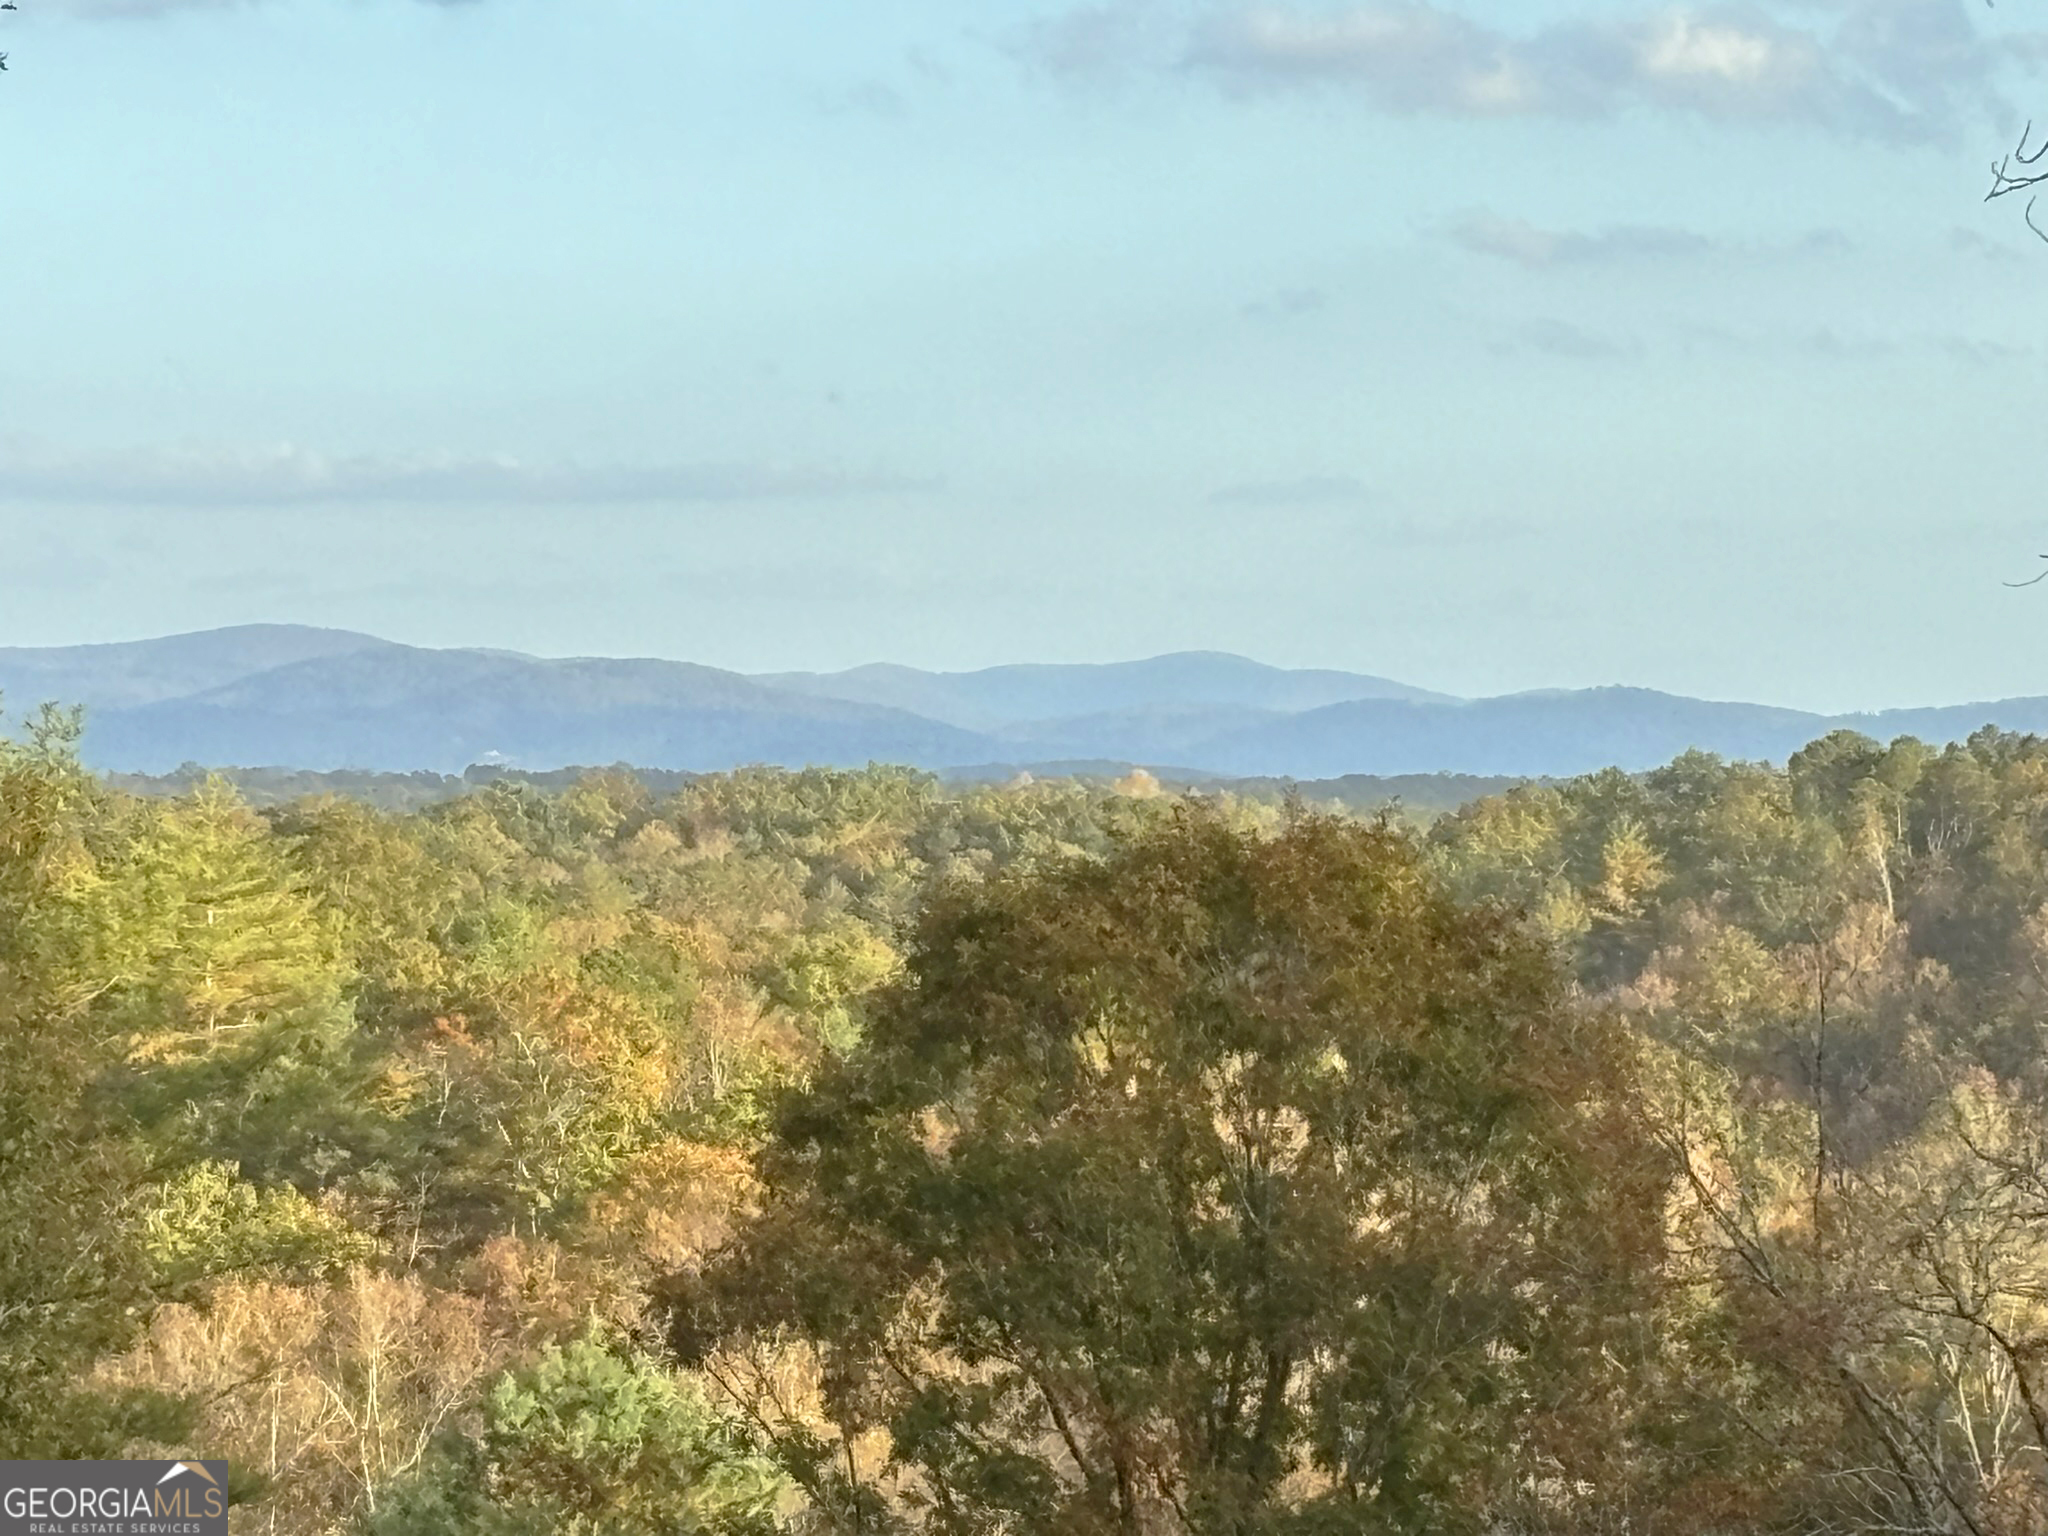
833,1151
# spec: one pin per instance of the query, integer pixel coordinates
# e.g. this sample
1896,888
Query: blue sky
1486,345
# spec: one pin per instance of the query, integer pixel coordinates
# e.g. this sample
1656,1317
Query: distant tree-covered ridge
324,700
1423,793
854,1150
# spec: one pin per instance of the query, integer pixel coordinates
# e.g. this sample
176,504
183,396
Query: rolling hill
1016,695
399,708
134,672
1546,734
316,699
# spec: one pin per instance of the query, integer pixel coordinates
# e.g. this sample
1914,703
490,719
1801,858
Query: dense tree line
1423,795
836,1151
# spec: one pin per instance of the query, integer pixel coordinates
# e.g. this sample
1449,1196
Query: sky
1485,344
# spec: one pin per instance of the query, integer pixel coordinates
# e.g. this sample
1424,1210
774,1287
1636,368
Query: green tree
226,989
207,924
588,1441
73,1275
1230,1184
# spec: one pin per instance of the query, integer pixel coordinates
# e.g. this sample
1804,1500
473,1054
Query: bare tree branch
2015,172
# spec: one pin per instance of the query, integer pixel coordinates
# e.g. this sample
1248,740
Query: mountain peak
127,673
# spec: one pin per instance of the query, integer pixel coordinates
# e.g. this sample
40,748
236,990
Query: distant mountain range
1192,682
321,699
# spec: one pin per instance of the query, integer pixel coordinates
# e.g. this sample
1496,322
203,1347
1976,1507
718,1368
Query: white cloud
1515,240
1421,58
1482,233
1407,57
1827,344
132,10
1683,46
1901,70
1563,338
287,475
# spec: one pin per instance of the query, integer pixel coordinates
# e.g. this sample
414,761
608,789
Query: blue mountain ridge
297,697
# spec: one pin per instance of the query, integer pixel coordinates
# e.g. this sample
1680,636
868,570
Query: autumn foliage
836,1152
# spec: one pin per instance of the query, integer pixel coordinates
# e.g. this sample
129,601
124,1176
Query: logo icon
196,1468
114,1498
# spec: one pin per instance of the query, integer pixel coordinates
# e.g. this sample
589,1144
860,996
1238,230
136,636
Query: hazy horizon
1032,661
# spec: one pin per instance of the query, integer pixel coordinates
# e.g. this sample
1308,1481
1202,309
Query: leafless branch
2031,581
2006,180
